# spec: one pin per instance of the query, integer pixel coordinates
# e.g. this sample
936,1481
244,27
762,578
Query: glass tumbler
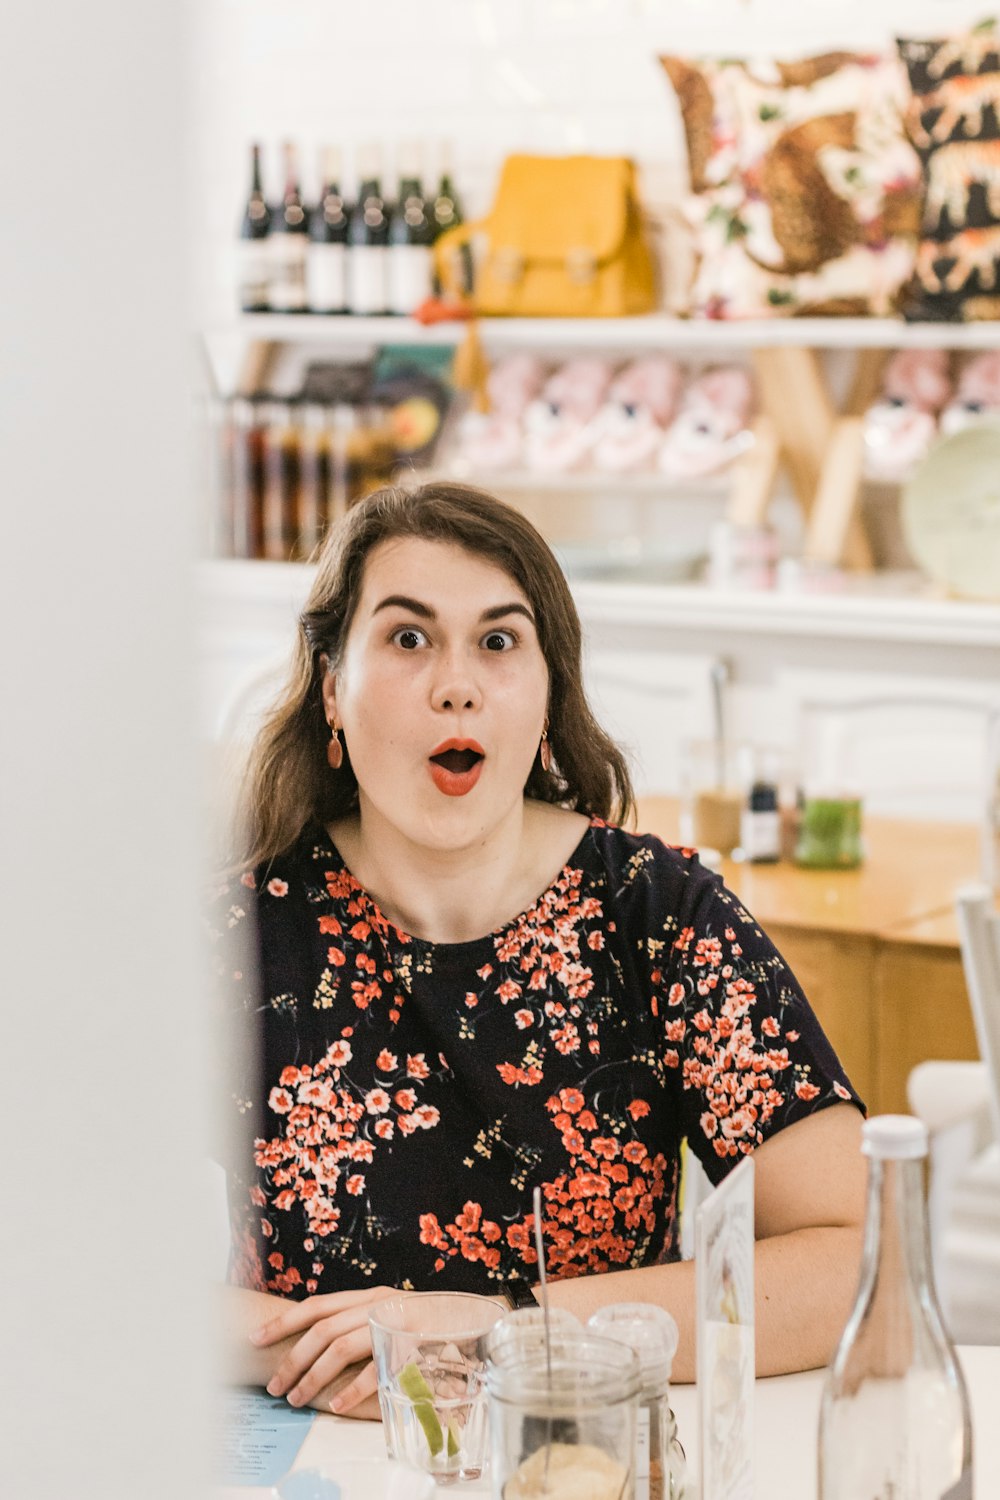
563,1425
430,1358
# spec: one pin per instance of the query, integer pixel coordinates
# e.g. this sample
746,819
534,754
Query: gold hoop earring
335,750
545,749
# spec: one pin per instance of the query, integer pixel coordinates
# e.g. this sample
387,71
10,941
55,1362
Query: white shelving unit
654,331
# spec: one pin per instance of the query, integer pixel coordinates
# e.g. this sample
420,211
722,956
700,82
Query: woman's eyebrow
424,611
403,601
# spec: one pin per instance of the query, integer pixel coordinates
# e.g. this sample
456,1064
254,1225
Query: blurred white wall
102,1362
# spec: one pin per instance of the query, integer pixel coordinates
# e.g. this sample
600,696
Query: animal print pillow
954,122
805,189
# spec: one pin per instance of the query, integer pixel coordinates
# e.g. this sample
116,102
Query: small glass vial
894,1420
651,1333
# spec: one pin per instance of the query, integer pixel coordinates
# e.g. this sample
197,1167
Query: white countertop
785,1429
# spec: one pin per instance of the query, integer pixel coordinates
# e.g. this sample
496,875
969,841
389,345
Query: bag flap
548,207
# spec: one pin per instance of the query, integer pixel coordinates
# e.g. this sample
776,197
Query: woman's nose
455,688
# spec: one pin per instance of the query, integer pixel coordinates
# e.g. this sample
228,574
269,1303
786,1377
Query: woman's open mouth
455,766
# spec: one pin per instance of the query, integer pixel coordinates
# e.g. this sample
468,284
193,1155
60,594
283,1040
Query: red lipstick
455,766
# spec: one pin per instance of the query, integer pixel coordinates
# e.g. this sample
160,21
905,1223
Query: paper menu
724,1245
258,1438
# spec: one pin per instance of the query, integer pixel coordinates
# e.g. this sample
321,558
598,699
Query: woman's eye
500,640
409,638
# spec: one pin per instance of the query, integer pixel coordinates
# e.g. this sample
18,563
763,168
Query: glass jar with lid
652,1334
562,1418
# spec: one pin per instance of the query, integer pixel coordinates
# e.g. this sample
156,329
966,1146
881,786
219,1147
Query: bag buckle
508,265
581,266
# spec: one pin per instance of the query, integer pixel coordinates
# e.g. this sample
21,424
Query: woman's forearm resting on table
809,1184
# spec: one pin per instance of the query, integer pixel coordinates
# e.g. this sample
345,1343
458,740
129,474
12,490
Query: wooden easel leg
793,394
834,533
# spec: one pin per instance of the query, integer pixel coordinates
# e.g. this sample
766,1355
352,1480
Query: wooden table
875,949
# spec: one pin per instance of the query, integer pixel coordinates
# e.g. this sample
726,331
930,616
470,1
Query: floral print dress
408,1096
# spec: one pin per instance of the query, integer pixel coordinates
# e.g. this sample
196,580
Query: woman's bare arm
809,1184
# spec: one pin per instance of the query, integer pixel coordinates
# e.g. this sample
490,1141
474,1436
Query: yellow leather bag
564,239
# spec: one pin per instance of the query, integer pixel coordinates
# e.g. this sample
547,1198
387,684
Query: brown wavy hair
288,780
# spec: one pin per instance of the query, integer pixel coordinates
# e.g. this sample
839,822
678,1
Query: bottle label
367,279
288,273
760,834
642,1453
326,278
411,275
254,274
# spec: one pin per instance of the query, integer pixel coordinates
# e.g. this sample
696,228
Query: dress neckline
320,835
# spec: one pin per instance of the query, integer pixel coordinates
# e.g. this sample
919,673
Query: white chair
960,1103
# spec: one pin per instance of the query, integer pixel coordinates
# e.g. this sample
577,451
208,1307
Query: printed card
724,1240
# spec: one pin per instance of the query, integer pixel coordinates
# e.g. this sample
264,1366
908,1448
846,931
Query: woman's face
441,692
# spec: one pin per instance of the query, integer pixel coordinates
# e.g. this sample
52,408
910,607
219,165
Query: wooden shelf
653,331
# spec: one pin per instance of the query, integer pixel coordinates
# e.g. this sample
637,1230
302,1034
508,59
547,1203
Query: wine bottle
326,261
411,234
446,213
368,241
894,1418
253,258
289,242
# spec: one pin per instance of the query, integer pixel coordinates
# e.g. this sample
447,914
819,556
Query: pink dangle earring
545,749
335,750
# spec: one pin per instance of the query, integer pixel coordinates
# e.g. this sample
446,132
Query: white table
785,1426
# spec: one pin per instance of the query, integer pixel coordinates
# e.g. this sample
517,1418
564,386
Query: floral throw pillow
805,189
954,122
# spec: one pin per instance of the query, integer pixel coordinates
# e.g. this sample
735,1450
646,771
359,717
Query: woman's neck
455,895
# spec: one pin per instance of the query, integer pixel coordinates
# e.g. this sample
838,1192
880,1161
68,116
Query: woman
468,983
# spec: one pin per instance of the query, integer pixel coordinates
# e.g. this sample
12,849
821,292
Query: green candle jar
829,836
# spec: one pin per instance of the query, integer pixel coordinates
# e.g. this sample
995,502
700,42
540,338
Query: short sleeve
741,1040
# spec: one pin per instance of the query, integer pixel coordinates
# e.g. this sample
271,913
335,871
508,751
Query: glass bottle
280,501
326,260
446,213
254,231
368,241
411,235
894,1419
651,1333
289,243
245,477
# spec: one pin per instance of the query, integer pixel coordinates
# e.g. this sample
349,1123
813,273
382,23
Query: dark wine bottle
411,234
326,262
253,269
368,241
446,213
289,242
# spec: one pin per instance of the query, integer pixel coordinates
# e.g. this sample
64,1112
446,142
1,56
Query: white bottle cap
896,1137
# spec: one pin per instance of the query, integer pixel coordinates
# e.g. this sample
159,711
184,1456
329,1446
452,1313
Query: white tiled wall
487,76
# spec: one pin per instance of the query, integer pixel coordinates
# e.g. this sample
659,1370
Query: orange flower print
416,1067
277,887
638,1109
405,1098
386,1062
339,1054
523,1019
377,1101
806,1090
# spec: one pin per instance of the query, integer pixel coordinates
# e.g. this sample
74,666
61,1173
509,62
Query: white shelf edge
652,331
914,621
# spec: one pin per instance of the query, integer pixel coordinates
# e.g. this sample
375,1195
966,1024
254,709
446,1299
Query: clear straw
536,1203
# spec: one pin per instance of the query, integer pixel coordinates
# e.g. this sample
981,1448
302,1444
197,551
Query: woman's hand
334,1335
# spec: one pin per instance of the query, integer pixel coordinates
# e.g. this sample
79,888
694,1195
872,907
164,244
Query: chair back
979,930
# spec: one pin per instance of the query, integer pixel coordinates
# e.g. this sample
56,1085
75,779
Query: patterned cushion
804,186
954,122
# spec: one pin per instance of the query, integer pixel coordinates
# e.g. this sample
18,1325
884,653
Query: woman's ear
329,689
